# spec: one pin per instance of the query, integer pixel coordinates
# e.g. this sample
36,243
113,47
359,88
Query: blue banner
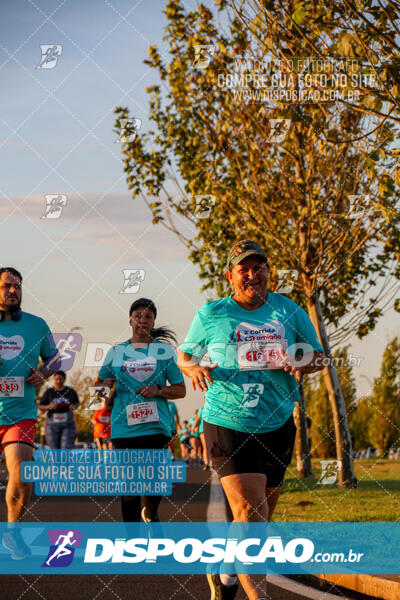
196,548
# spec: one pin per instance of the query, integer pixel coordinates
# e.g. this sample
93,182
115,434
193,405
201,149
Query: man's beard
11,309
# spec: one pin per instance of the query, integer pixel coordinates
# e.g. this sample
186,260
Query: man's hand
200,376
35,378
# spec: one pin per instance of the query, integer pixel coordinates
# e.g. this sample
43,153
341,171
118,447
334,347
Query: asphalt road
189,502
199,499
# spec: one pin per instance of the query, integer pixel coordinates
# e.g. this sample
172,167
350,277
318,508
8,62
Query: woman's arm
169,392
188,365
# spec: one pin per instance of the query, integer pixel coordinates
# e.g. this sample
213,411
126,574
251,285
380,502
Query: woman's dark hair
161,333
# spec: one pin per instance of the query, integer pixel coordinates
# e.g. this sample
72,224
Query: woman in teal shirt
140,418
252,338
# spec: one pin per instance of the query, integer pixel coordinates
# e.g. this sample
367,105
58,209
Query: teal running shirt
250,393
21,344
134,415
172,411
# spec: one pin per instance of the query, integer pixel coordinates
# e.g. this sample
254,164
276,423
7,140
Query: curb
289,589
385,587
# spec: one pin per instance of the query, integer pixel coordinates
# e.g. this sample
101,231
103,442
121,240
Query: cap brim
238,259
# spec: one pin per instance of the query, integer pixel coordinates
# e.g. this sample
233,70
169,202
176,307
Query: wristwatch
159,388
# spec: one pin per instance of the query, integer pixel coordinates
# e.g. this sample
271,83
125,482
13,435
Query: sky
57,138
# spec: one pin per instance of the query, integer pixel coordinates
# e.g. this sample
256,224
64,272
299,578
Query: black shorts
156,441
235,452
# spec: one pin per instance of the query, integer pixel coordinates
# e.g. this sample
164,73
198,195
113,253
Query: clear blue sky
56,137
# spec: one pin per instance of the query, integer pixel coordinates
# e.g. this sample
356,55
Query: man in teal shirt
23,339
253,339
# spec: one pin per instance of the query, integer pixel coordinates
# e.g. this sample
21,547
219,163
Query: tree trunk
344,450
302,448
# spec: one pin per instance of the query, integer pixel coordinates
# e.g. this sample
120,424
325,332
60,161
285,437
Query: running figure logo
358,206
67,344
278,129
286,279
329,471
97,395
129,127
50,55
204,205
203,53
54,206
252,393
132,280
62,547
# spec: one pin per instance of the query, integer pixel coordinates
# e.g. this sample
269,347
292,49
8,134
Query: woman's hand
288,363
148,391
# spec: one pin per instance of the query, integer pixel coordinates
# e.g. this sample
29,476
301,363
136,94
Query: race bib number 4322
143,412
12,387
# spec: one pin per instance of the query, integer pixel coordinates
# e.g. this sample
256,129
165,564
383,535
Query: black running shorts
156,441
235,452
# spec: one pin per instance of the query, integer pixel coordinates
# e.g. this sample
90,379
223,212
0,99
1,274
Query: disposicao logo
62,547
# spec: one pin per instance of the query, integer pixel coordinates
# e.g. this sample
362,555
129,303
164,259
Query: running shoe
12,541
154,528
219,591
145,516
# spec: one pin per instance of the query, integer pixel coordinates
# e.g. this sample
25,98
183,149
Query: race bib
12,387
253,356
104,419
144,412
60,417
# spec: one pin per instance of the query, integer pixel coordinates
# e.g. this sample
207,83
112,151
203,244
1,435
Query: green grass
377,497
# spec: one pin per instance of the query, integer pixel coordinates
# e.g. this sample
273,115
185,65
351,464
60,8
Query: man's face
249,278
10,291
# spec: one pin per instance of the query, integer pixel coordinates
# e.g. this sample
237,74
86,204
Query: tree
289,191
384,423
359,421
317,401
302,445
365,33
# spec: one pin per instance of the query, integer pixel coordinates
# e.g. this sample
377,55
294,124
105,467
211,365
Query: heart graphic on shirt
140,369
10,347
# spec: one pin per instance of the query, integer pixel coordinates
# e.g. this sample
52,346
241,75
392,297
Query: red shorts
23,431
